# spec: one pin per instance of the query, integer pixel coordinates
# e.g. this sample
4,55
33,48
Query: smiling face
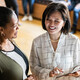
11,28
54,23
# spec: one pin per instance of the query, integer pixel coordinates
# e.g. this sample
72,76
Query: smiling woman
11,28
13,63
56,53
54,23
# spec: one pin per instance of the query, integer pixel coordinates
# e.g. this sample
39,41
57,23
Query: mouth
52,28
15,33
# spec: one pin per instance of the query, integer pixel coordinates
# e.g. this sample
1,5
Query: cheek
46,24
61,25
11,32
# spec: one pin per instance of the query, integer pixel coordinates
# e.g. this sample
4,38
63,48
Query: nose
17,27
52,23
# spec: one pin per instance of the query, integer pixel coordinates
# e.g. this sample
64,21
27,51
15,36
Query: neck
7,45
5,42
55,38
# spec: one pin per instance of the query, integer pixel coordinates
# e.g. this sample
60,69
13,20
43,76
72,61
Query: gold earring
2,34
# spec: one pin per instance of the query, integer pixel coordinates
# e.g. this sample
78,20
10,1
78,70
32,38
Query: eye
14,26
56,21
49,20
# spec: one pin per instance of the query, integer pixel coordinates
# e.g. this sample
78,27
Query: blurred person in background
13,4
26,16
55,55
74,5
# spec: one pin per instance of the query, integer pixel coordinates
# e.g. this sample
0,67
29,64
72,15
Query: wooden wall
37,9
71,17
20,7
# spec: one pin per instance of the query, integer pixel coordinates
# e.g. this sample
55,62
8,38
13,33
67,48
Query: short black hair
5,16
53,7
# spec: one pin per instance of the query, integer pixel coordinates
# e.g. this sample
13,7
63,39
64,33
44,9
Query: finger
56,72
52,75
58,69
76,74
73,74
70,74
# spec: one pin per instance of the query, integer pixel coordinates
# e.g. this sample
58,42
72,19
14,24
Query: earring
62,27
2,34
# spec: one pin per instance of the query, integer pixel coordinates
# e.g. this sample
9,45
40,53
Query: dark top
75,1
17,50
11,70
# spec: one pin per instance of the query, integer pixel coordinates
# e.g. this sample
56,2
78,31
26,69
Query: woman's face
54,23
11,28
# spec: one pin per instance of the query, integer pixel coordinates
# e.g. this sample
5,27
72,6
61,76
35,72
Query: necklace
54,40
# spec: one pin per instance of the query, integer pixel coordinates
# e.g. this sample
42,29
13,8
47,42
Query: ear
63,24
1,28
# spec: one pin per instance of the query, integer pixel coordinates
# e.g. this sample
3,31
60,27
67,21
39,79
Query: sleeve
36,69
76,57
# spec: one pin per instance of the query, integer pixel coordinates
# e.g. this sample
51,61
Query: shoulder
41,38
72,38
10,68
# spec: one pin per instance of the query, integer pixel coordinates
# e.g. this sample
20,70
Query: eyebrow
15,23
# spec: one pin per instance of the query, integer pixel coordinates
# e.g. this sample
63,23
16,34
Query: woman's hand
75,74
55,71
30,77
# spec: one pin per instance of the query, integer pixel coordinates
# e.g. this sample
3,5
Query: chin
51,33
14,37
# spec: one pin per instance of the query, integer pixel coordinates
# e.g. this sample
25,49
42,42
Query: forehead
55,14
13,20
14,16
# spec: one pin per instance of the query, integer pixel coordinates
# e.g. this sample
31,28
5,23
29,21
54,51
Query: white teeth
52,27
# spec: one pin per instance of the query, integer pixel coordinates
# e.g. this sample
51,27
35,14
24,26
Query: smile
52,28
